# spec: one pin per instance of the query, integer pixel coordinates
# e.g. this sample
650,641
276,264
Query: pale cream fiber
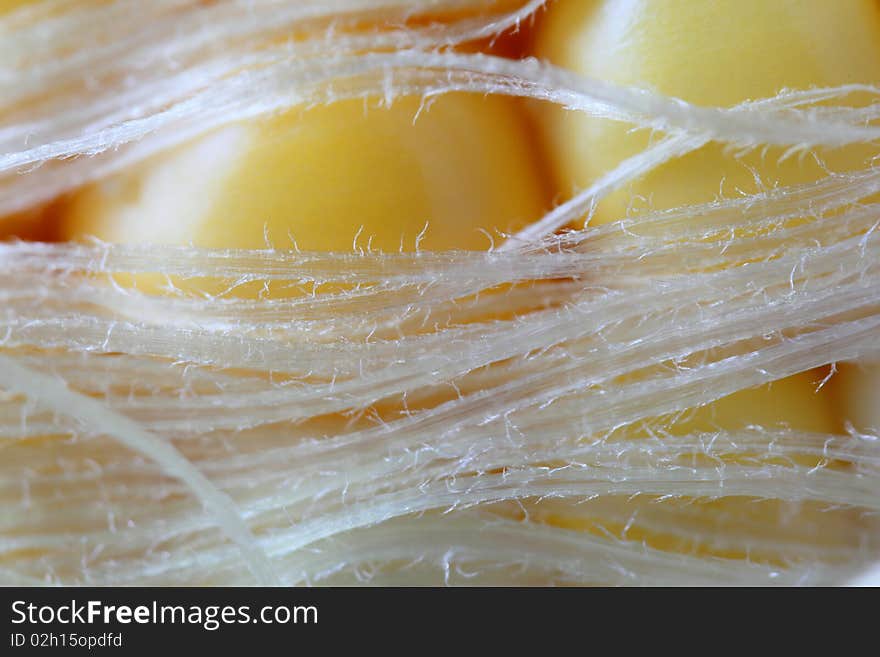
183,439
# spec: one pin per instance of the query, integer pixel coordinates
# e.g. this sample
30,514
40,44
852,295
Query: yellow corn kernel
446,177
9,5
856,390
708,53
717,53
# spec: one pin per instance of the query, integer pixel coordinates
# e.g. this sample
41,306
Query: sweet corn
455,175
349,176
714,54
9,5
322,178
856,389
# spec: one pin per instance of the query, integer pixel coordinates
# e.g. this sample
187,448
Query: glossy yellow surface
9,5
710,53
857,394
713,53
460,168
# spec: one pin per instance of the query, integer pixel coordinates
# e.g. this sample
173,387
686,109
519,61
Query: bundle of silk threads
490,417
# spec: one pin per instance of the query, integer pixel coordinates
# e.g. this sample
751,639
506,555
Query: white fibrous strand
502,417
